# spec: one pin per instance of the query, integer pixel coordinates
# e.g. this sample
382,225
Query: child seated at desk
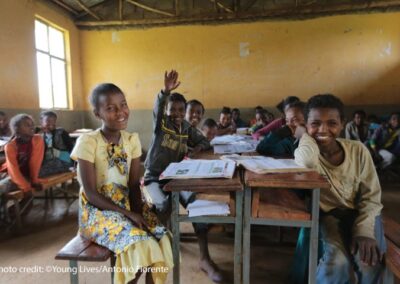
225,124
194,113
385,142
209,129
24,156
351,230
171,136
284,141
278,122
58,145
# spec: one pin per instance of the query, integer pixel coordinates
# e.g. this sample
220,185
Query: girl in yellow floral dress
111,212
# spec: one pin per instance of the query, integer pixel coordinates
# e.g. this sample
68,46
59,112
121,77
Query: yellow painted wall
18,78
355,57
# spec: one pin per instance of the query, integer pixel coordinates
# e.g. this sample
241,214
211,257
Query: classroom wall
355,57
18,78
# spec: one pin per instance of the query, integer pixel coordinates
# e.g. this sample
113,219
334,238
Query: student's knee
335,258
155,196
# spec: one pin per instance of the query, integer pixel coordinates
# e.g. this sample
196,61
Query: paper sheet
205,207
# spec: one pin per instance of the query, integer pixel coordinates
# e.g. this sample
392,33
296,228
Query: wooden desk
307,180
207,186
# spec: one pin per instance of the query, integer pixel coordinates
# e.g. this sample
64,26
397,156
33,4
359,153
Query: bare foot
212,270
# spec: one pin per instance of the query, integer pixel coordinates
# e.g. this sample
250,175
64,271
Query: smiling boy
350,224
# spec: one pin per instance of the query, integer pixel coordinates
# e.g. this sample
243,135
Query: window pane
41,36
59,83
44,78
56,39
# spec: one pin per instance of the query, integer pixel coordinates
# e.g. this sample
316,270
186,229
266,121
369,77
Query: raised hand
171,81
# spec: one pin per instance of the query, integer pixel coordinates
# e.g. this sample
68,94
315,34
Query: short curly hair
103,89
325,101
176,97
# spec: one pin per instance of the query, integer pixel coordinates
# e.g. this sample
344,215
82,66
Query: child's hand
171,81
137,219
367,249
37,186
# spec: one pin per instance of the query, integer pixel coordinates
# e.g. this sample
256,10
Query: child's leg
371,274
335,265
136,279
155,196
201,231
149,278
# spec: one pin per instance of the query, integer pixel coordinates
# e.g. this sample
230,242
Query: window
51,66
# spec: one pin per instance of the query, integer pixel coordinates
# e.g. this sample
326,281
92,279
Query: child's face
113,110
209,132
194,114
260,119
225,119
235,115
358,119
48,123
294,117
26,128
394,121
176,112
324,125
3,121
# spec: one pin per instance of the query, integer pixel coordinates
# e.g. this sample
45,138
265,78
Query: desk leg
246,235
175,235
237,274
313,260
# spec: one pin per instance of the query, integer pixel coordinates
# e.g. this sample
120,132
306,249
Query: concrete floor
47,229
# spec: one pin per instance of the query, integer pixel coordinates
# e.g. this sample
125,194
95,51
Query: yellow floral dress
134,248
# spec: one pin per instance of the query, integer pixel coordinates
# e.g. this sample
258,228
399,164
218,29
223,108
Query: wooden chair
81,249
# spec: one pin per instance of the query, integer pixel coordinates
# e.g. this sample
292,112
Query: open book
263,165
199,169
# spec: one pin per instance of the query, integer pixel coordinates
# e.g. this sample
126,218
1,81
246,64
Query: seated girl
24,156
111,211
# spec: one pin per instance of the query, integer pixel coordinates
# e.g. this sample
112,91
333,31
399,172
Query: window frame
65,61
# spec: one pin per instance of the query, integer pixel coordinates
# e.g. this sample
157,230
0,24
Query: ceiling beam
150,9
66,7
226,9
83,6
121,9
299,12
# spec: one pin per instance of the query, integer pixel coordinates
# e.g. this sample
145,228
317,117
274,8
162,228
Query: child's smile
324,125
114,111
194,114
176,112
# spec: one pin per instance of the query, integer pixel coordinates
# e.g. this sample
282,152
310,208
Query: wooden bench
81,249
54,180
392,235
16,196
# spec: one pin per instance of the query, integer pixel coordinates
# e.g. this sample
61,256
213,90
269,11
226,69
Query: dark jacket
278,143
168,144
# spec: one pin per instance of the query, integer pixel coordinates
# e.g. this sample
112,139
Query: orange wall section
18,78
353,56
